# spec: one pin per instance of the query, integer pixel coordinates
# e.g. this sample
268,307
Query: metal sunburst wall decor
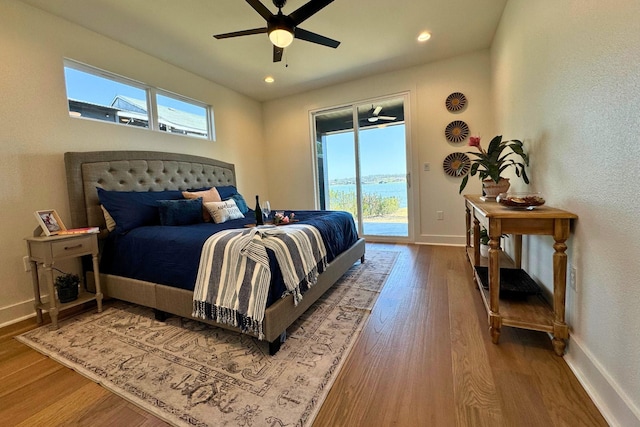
456,102
456,131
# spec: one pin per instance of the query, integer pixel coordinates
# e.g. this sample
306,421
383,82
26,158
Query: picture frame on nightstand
50,222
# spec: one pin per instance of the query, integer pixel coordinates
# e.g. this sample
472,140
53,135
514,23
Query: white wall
36,128
567,78
288,139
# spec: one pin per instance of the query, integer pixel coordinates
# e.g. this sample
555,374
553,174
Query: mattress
170,255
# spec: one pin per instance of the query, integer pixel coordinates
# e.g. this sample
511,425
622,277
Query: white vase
484,250
492,189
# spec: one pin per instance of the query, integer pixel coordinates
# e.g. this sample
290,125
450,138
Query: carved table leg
53,302
560,329
495,320
96,274
558,346
36,291
495,323
476,241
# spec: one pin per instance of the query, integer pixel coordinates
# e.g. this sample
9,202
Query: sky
382,152
98,90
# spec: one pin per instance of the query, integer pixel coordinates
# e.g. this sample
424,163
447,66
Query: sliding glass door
362,165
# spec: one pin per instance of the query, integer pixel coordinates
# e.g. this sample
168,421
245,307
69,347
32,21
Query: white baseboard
614,405
18,312
440,240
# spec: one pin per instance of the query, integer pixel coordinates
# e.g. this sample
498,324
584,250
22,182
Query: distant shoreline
370,179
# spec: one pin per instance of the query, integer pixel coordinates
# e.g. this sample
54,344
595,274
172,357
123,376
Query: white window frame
151,99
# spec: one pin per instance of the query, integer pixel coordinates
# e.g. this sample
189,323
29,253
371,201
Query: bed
145,171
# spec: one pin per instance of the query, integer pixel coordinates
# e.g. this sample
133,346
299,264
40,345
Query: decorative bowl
520,200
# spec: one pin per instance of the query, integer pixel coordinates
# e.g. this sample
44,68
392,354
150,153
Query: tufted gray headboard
135,171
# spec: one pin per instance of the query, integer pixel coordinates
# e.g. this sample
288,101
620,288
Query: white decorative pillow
108,219
223,211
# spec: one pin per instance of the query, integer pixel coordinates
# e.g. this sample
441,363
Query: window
183,117
100,95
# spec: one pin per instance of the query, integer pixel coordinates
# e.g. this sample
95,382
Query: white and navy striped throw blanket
233,279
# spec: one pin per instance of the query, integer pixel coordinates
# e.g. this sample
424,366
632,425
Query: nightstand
45,251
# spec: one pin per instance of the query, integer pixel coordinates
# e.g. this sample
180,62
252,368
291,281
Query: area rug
191,374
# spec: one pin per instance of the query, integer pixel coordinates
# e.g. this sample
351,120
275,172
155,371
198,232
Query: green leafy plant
484,236
67,281
492,162
373,205
67,286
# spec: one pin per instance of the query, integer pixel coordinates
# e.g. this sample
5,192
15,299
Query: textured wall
567,79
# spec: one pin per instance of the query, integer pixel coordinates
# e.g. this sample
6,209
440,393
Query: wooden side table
534,313
45,251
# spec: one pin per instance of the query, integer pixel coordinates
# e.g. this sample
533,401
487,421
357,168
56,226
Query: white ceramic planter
484,251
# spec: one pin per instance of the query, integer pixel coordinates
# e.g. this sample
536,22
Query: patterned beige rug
192,374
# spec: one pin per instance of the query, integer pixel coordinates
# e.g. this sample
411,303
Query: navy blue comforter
170,255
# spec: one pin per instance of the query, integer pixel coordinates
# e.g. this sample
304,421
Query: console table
533,312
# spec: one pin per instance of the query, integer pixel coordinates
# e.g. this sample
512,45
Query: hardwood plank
475,391
22,403
40,368
15,357
71,409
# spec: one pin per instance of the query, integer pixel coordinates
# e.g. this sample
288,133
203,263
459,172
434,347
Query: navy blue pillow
226,191
240,203
131,209
180,212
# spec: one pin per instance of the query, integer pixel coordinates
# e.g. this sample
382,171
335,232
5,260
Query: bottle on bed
258,212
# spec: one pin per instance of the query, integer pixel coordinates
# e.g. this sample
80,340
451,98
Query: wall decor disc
456,131
456,101
456,164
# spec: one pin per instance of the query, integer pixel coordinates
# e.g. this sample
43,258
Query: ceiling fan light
424,36
281,37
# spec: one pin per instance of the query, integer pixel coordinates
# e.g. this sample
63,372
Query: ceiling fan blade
305,11
241,33
377,110
305,35
277,53
386,118
260,8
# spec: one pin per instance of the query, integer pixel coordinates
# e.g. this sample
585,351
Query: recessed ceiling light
424,36
269,79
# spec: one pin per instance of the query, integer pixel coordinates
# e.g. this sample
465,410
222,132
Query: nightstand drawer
72,247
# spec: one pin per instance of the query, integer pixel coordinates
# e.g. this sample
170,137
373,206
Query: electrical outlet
573,278
27,263
440,214
427,167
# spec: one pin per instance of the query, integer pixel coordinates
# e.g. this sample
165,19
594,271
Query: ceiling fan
282,29
375,115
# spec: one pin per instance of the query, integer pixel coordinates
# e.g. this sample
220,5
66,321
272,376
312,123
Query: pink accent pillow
210,195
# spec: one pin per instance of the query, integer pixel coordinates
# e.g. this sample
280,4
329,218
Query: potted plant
491,163
484,242
67,287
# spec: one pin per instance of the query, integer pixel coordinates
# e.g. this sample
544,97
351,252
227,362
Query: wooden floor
425,358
